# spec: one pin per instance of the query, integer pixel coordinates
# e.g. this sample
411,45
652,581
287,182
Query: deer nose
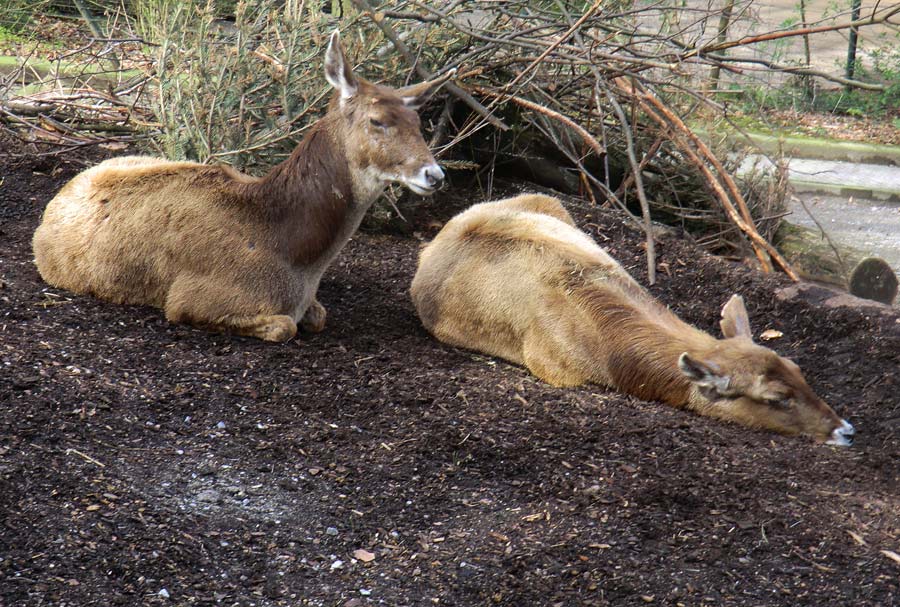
434,176
842,435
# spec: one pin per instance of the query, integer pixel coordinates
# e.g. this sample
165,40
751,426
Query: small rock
365,591
220,425
210,496
648,598
163,593
337,565
331,531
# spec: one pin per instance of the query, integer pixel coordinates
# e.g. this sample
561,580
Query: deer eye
378,124
780,402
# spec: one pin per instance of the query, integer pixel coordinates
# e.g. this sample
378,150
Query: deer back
499,274
516,279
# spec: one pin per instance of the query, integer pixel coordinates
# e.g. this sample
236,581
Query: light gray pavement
856,203
869,226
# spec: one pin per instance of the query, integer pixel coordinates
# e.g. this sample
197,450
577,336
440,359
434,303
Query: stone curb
883,162
828,149
847,190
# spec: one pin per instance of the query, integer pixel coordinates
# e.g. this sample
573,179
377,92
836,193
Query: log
816,259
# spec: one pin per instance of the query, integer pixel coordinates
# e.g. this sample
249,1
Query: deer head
380,127
759,387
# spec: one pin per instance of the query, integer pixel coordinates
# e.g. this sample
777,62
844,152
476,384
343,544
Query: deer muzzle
842,436
427,179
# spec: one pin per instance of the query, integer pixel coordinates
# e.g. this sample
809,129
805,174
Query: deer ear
705,374
337,69
734,321
415,96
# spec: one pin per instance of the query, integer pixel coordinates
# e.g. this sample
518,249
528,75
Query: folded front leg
226,308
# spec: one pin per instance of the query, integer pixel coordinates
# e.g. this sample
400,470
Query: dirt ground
143,463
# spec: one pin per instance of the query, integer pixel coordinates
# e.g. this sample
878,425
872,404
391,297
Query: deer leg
216,306
277,327
314,318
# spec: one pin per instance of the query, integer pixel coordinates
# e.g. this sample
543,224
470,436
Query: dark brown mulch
143,463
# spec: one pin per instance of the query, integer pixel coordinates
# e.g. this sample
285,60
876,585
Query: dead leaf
770,334
363,555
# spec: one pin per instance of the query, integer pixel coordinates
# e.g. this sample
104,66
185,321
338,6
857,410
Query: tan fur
226,251
516,279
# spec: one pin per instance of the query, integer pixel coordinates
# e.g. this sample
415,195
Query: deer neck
315,198
640,341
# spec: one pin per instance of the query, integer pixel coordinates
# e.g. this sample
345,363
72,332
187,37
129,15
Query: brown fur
516,279
230,252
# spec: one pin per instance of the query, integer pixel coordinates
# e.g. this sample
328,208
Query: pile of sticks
80,99
609,77
601,82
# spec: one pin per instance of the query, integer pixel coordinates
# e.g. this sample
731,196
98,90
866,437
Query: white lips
421,191
843,435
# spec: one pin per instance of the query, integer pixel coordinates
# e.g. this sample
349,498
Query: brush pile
624,100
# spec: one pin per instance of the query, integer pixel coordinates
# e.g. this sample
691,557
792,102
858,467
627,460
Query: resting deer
232,253
516,279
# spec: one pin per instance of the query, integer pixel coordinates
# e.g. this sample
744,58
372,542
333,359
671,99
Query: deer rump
517,280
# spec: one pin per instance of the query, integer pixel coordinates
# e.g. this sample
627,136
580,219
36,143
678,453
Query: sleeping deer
232,253
516,279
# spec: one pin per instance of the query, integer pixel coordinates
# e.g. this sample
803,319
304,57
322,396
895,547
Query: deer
232,253
516,279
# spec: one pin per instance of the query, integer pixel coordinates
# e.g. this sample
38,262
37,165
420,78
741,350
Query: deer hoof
314,319
278,328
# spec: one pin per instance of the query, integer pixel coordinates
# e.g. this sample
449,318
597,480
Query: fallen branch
535,107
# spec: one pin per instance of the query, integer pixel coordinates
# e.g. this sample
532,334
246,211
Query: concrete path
877,182
856,203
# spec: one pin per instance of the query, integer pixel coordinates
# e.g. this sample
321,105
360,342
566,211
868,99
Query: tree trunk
724,22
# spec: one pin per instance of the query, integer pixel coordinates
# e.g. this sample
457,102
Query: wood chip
892,555
363,555
770,334
857,538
